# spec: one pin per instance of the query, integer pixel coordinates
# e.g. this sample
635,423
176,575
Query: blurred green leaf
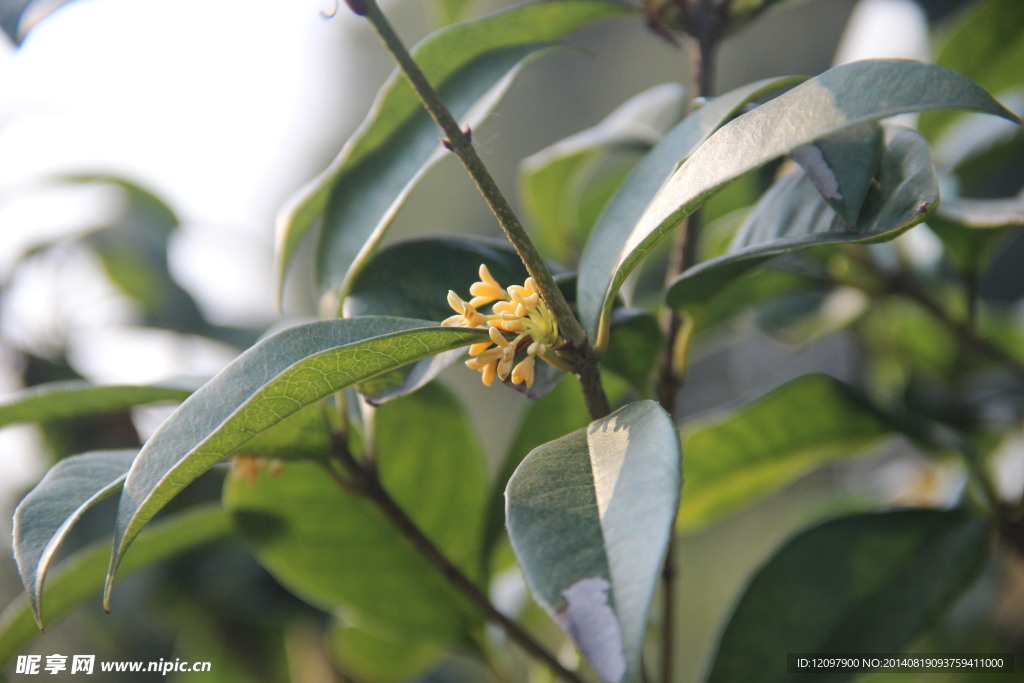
842,165
338,551
45,516
986,44
841,97
471,65
612,232
633,347
59,400
866,583
81,576
452,10
552,181
792,216
546,419
259,389
429,267
972,230
741,457
369,653
590,516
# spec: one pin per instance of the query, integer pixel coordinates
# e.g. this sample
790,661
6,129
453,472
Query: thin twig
460,142
365,481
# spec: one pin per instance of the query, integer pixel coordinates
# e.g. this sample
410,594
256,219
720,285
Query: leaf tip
592,623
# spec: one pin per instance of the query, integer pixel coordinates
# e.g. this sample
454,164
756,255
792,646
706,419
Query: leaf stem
364,479
461,144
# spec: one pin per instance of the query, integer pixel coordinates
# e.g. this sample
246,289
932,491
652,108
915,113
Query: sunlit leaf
866,583
263,386
793,216
844,96
471,65
612,232
45,516
738,458
81,576
59,400
552,181
338,551
589,516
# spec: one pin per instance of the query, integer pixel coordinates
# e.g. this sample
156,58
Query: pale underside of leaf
611,232
45,516
606,494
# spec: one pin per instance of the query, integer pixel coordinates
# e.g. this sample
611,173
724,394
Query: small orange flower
517,311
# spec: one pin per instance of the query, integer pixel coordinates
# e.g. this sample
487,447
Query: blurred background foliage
154,256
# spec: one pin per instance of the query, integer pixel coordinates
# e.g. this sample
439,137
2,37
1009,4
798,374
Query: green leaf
452,10
841,97
471,65
81,576
263,386
590,516
741,457
863,583
45,516
792,216
842,165
612,232
986,43
429,267
368,653
633,347
972,230
546,419
59,400
552,181
338,551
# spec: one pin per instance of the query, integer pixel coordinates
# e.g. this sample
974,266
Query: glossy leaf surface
738,458
262,387
865,583
589,516
793,216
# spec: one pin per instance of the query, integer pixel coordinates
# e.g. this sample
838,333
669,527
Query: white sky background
218,107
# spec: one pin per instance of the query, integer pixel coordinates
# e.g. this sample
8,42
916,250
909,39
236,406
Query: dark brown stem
671,363
365,482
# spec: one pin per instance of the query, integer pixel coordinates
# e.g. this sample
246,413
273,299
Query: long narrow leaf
841,97
59,400
612,231
45,516
793,216
81,576
263,386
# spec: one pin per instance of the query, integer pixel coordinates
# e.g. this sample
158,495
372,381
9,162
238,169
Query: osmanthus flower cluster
517,311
